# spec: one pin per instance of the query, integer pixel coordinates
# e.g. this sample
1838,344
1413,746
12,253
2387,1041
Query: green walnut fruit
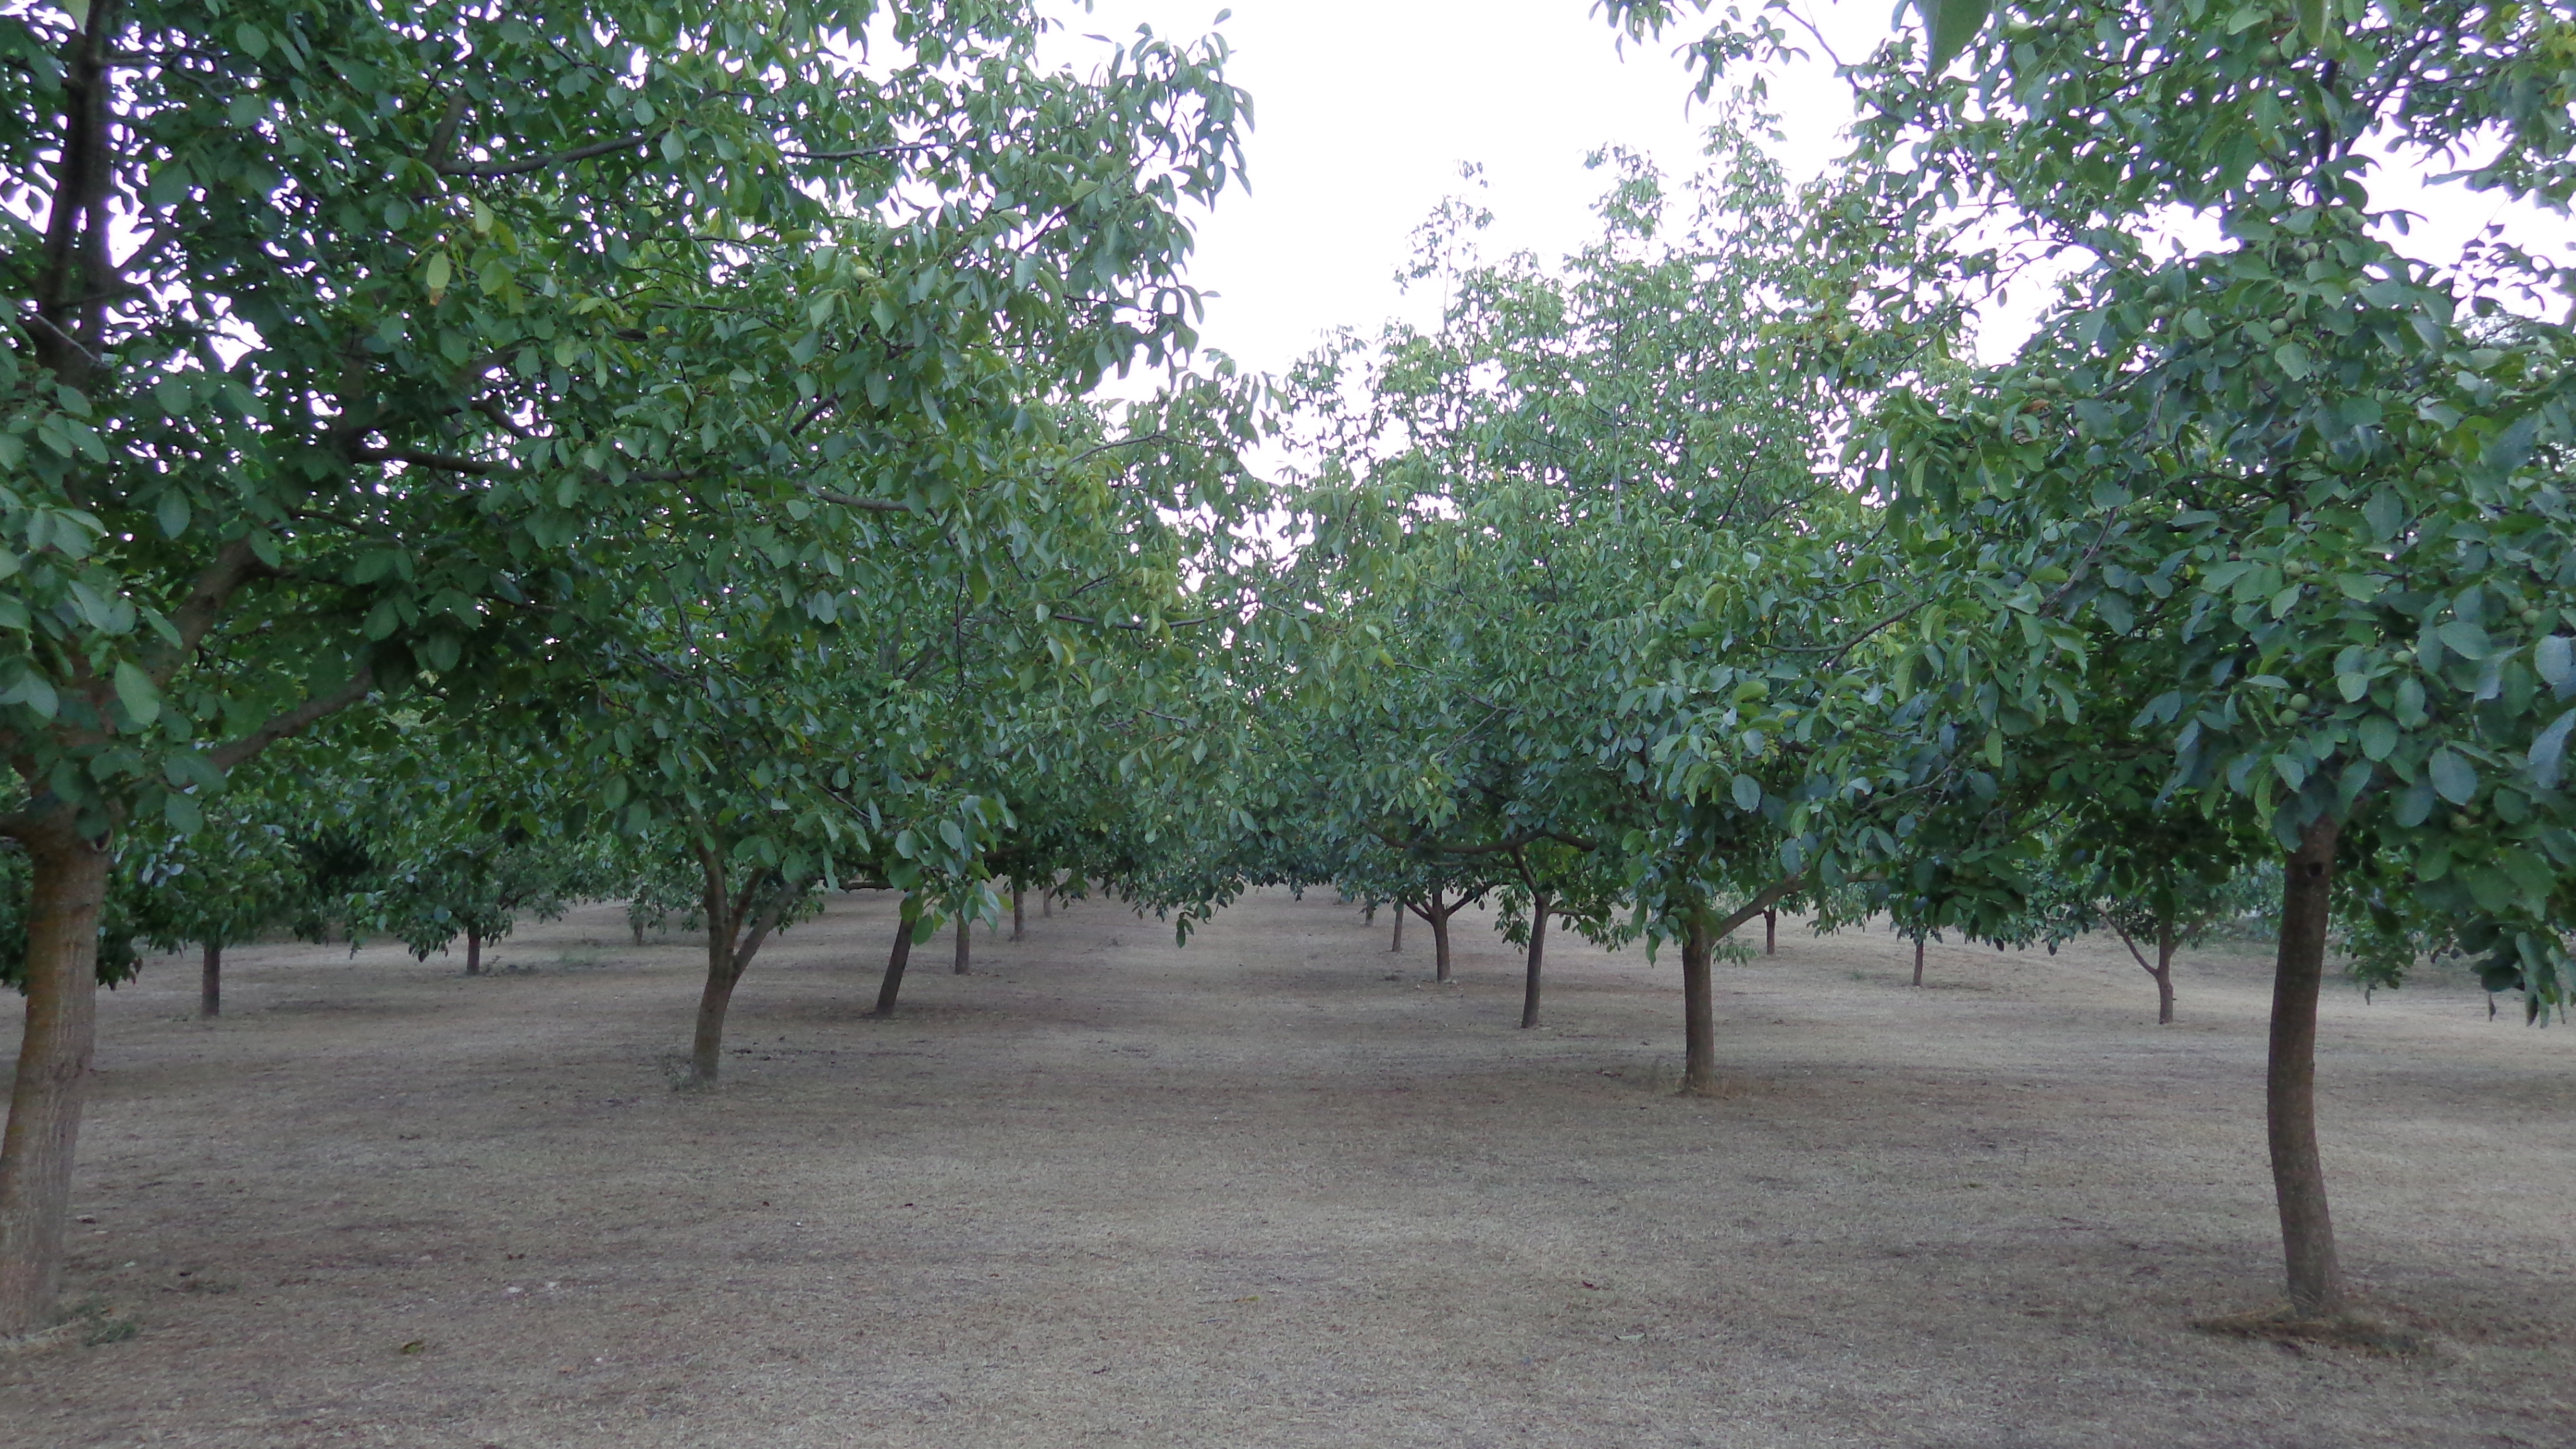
2299,703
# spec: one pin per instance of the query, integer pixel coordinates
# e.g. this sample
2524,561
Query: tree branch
295,721
485,171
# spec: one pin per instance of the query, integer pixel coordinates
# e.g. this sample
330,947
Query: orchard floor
1275,1189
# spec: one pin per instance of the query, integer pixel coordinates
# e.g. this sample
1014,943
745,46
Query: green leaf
2454,778
2555,658
1748,793
134,690
2548,757
2378,736
1949,26
183,813
2464,639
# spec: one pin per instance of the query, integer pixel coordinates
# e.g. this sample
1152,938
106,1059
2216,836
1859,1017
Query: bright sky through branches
1366,109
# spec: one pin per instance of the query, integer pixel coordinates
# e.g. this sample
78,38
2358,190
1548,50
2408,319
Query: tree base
2351,1328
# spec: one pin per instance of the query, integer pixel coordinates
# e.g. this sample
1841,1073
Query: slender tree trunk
1019,923
1046,903
66,892
210,981
1770,933
1699,1009
1918,960
1368,915
637,922
896,959
1401,911
2164,973
1439,920
473,952
1537,948
706,1048
965,947
2290,1088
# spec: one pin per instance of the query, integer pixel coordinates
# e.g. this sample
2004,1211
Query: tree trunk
1439,920
210,981
1537,947
65,894
1918,960
706,1049
905,920
2290,1087
964,948
1046,904
1699,1009
1368,916
1019,923
473,952
637,922
1401,911
2164,973
1770,933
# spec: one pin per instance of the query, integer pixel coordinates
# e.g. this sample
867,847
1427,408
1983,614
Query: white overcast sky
1365,110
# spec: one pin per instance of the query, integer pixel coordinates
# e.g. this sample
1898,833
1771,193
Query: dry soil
1276,1189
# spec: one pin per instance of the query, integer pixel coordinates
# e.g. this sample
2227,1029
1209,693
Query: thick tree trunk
1019,922
1918,960
2164,973
1699,1009
896,959
1439,919
2290,1088
1401,911
1537,948
965,947
1770,933
66,892
210,981
473,952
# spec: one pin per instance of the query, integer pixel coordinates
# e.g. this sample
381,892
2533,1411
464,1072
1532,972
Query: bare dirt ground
1275,1189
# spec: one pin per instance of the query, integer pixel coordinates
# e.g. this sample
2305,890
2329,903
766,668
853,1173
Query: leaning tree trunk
965,947
1918,960
210,980
1770,933
474,951
1699,1009
66,891
896,959
1537,947
2290,1087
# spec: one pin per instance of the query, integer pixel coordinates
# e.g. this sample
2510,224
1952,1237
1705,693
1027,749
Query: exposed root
2280,1323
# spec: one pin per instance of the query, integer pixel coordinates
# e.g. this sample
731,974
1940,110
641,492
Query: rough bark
473,952
210,981
1699,1009
1918,960
66,891
1770,933
1439,919
1537,948
896,959
965,947
1019,922
2290,1087
1401,911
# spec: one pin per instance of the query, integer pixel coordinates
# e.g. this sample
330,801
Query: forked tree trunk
1918,960
734,935
1019,923
1537,948
210,981
66,891
1699,1009
892,986
1770,933
965,947
2290,1087
473,952
1401,911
